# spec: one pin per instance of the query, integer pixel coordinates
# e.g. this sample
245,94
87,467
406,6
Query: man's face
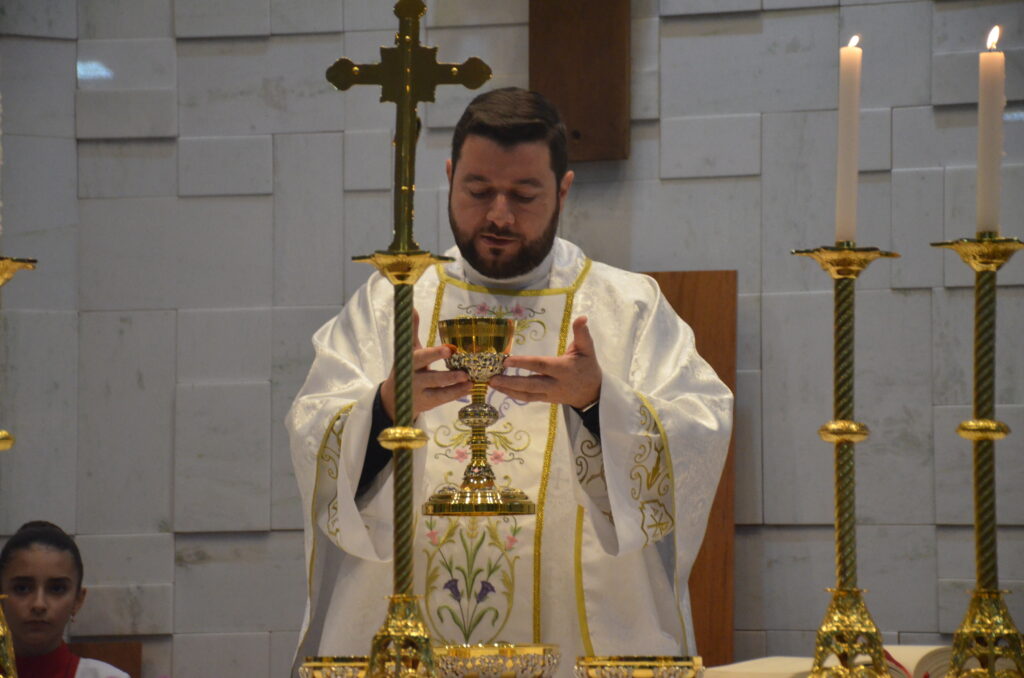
503,205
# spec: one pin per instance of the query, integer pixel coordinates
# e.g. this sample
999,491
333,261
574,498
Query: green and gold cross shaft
408,73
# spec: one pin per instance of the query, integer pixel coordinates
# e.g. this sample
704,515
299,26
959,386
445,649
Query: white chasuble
602,567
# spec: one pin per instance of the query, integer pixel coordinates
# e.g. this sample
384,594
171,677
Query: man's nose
500,213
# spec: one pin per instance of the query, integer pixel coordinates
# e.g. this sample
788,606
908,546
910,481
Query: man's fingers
416,330
532,384
441,378
523,396
581,336
538,364
421,357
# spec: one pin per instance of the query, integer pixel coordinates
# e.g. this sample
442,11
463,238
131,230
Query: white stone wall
194,200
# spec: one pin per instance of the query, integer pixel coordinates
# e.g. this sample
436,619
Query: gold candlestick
848,632
8,267
407,73
987,643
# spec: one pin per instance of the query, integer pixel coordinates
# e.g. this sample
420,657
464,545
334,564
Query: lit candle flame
855,40
993,37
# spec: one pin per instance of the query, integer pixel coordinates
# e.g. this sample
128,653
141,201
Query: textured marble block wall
196,191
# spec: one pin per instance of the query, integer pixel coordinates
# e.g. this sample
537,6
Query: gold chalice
496,660
479,347
639,667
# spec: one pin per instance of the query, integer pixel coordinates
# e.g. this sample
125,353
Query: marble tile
127,64
201,19
875,137
306,16
710,146
54,283
236,566
309,254
917,219
955,594
127,169
961,25
157,656
955,76
369,16
781,576
259,86
680,7
224,344
798,202
367,226
759,62
925,639
450,102
961,220
38,372
125,375
643,163
956,552
238,165
199,655
39,183
39,95
790,643
748,328
645,98
369,160
643,8
870,2
954,494
292,347
285,501
129,114
39,18
748,645
796,4
222,457
364,111
126,610
897,55
747,448
897,565
938,137
953,346
472,13
127,558
99,19
282,650
174,253
643,44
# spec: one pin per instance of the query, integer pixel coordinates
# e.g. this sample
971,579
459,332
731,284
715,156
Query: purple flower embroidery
453,588
486,589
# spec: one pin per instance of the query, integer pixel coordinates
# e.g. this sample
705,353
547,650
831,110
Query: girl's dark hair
47,534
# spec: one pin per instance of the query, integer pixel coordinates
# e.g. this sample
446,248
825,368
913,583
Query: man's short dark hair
511,116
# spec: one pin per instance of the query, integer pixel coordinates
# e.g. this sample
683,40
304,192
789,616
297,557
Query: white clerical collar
535,278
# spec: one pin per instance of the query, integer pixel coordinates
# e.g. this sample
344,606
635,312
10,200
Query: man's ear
563,188
448,171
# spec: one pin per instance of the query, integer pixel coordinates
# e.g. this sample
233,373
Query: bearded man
610,422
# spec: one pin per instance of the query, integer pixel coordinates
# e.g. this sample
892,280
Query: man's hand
430,388
573,378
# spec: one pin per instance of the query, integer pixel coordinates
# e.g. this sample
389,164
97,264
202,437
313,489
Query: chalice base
639,667
987,644
492,501
497,660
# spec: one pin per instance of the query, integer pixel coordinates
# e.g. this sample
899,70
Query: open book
904,661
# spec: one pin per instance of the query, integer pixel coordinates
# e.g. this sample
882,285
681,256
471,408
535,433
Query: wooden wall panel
706,300
580,60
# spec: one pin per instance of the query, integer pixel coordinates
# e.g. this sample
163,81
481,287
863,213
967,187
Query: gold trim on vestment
672,479
581,601
312,514
547,291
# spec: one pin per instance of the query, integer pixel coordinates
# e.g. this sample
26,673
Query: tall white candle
847,146
991,102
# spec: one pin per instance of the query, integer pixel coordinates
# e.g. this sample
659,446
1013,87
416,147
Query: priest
610,421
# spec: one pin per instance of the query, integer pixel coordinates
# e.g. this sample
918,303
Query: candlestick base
987,252
849,634
401,648
845,259
987,644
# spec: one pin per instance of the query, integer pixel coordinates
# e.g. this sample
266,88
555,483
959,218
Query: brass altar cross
407,73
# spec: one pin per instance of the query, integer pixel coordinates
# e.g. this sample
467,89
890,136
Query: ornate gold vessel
639,667
480,346
497,660
333,667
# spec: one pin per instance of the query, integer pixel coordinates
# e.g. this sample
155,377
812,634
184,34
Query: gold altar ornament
8,667
987,644
407,73
333,667
497,660
8,268
639,667
479,348
848,643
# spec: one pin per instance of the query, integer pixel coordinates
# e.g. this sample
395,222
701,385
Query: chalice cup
479,348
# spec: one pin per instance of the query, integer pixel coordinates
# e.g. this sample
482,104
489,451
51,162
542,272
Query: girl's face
43,592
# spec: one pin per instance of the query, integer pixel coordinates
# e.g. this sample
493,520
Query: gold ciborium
479,348
497,660
639,667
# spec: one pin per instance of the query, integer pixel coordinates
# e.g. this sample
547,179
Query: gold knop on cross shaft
983,429
987,252
843,431
845,259
402,438
402,268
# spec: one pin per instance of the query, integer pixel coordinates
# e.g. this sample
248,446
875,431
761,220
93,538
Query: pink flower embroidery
497,456
483,309
510,541
432,536
461,454
518,311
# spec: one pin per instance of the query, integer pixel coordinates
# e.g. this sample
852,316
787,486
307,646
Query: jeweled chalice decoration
480,346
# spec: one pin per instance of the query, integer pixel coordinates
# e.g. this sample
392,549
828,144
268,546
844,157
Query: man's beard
531,252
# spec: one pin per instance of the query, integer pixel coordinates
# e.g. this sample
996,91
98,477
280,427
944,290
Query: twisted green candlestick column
403,458
845,499
984,450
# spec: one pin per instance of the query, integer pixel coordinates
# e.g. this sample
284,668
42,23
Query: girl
41,577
